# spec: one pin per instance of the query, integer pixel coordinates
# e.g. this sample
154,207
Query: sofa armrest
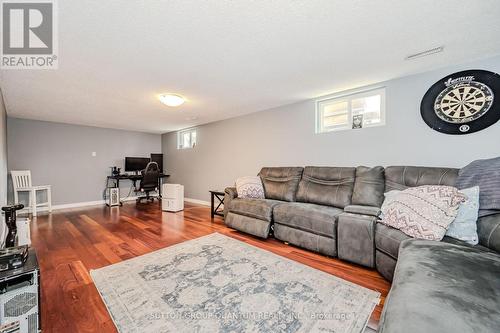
363,210
229,194
356,238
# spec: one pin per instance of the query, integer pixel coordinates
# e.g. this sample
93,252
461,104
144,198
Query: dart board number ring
462,103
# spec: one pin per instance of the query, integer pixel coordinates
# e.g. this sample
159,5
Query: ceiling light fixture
172,99
425,53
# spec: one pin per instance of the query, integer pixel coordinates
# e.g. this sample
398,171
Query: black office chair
149,181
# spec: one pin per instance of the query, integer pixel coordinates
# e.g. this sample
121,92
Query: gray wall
285,136
61,155
3,152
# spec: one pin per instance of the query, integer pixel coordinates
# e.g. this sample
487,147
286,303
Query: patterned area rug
218,284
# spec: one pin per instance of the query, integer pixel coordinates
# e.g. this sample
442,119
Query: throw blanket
486,175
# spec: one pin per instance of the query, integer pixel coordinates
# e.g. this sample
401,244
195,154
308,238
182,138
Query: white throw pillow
464,227
423,212
250,187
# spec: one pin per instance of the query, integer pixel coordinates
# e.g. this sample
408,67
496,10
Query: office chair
149,181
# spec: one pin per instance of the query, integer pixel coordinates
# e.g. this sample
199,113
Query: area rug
219,284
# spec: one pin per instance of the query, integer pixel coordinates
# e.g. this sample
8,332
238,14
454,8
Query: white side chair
21,181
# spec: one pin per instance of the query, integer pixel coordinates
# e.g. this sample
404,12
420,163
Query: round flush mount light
172,99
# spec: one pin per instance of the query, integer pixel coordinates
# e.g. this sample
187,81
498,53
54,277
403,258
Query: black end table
220,198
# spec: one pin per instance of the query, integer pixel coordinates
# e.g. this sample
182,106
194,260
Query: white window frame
348,97
180,138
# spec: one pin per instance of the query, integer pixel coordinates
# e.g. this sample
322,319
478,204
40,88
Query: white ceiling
235,57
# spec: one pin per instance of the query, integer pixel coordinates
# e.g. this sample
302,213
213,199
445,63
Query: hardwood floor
70,243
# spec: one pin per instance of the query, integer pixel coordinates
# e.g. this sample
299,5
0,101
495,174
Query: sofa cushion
488,229
369,186
402,177
451,240
250,225
329,186
387,242
387,239
257,208
316,219
385,264
445,288
280,183
306,240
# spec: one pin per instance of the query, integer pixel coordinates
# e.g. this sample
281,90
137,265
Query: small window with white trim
351,111
186,138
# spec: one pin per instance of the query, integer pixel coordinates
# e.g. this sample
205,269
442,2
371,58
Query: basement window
186,138
351,111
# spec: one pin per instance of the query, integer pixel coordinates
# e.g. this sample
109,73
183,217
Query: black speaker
158,158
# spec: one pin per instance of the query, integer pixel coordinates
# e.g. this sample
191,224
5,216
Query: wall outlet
94,154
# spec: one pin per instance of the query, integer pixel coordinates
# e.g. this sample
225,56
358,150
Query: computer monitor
136,163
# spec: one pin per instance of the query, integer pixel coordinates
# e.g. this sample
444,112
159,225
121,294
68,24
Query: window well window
186,138
352,111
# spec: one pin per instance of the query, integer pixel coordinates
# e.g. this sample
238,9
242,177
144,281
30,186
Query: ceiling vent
425,53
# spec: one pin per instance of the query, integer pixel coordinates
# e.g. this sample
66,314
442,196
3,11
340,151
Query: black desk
134,179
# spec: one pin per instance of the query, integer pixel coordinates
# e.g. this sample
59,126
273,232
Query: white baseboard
103,202
81,204
196,201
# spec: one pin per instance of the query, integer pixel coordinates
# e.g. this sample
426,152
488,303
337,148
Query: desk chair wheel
147,197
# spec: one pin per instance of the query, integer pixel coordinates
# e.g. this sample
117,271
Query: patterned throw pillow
464,227
250,187
422,212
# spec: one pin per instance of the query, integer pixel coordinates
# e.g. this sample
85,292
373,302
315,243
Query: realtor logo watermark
29,35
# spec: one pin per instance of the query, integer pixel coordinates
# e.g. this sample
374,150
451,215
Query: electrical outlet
94,154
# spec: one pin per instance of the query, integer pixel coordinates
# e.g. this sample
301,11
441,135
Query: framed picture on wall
357,121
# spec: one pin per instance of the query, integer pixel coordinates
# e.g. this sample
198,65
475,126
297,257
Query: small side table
220,198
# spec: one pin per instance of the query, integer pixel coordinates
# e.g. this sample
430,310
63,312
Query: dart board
462,103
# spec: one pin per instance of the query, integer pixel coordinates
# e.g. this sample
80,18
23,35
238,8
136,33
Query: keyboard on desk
135,177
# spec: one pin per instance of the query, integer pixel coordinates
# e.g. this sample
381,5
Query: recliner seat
311,222
310,226
257,208
255,216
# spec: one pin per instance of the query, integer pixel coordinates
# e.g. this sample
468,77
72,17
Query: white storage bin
172,197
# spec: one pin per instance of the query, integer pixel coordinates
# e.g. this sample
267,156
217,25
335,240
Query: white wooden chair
21,181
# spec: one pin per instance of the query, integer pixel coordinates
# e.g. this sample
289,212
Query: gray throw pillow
486,175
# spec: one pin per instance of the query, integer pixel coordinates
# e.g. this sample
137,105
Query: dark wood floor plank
70,243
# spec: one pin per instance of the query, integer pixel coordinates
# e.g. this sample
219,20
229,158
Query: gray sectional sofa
446,286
